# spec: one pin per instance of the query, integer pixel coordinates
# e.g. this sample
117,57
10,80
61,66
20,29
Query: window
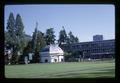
62,60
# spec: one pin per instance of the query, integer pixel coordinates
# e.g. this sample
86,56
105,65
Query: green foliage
34,39
76,40
49,36
62,36
15,36
67,53
10,36
19,27
40,43
28,48
72,39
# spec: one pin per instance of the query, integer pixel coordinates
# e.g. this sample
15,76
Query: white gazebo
51,53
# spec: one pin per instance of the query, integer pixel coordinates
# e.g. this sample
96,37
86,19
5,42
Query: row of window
92,46
99,50
81,47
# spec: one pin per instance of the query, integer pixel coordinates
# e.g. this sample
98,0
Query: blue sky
83,20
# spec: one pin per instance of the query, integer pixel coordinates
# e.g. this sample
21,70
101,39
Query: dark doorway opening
61,60
46,60
55,60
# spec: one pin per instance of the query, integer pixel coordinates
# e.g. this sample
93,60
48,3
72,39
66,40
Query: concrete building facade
93,49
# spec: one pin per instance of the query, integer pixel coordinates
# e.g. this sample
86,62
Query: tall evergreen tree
49,36
40,43
11,30
62,36
76,40
71,37
12,41
20,35
15,36
34,38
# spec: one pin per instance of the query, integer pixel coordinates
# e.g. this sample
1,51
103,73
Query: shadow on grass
110,73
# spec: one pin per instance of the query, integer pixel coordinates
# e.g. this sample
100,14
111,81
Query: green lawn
101,69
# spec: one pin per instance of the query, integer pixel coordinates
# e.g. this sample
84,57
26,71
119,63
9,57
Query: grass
96,69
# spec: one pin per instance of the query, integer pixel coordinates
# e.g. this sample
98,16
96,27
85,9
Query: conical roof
52,49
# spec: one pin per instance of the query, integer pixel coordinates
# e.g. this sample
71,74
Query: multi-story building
97,37
93,49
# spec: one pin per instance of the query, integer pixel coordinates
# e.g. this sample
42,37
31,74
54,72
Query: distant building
97,37
51,53
93,49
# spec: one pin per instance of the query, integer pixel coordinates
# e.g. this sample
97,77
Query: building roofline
93,41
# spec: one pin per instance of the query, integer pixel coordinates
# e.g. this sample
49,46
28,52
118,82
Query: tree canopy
11,30
62,36
49,36
14,36
67,39
72,38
